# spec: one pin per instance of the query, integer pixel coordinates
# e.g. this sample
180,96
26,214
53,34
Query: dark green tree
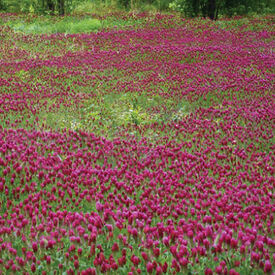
211,9
61,7
1,5
50,6
58,6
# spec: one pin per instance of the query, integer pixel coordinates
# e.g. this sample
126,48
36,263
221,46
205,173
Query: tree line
36,6
212,8
190,8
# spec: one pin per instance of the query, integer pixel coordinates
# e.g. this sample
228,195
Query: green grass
68,24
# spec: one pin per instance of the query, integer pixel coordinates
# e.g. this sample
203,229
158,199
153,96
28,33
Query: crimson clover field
142,148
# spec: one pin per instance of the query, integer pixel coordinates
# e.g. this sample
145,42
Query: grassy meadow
136,143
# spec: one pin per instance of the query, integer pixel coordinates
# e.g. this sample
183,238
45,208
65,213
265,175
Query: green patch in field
69,25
